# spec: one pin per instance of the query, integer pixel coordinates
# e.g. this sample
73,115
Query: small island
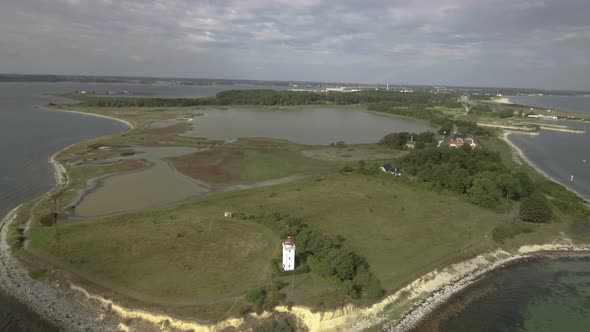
160,226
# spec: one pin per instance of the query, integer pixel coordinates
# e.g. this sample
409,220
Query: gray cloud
462,42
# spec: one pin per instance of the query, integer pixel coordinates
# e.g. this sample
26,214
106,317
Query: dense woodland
477,173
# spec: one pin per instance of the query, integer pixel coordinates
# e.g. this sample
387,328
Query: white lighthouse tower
288,254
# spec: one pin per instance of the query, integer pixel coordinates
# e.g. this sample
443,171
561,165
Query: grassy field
171,257
190,259
246,163
403,231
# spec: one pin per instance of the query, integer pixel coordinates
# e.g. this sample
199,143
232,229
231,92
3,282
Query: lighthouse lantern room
288,254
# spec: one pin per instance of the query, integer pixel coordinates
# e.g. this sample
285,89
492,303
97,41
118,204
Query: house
391,169
228,214
411,144
457,140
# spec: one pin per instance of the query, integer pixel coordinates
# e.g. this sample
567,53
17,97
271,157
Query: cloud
425,41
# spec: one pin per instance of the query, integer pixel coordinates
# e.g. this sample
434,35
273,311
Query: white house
288,254
389,168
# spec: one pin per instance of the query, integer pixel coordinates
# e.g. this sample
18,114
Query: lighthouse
288,254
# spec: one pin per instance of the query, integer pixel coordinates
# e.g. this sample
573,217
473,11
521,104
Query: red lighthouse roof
289,240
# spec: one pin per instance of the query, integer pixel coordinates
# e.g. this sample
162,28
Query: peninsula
163,227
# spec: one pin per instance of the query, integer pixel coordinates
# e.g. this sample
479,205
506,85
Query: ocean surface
579,104
29,136
550,295
560,155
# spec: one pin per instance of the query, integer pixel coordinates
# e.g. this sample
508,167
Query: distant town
291,85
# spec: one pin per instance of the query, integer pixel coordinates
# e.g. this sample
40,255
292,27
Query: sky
508,43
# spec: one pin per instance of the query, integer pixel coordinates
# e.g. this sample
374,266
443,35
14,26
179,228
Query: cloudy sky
520,43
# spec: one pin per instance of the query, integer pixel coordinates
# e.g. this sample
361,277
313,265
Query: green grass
175,257
498,145
191,254
403,231
42,238
38,273
248,162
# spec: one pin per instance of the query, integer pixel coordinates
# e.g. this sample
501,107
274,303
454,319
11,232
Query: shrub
536,209
501,233
340,144
48,219
277,324
256,297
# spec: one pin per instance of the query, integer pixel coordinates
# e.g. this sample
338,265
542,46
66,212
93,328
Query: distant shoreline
539,170
129,124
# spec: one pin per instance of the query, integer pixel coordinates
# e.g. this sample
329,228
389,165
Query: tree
484,191
319,244
525,185
509,185
535,208
343,264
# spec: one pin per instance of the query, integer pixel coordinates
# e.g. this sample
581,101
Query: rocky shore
422,309
45,299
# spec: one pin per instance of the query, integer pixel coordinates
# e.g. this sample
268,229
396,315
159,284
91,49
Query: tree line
477,173
399,140
273,97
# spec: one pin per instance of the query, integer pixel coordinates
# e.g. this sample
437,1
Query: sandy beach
502,100
130,125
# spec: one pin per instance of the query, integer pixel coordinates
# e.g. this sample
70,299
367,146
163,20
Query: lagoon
314,126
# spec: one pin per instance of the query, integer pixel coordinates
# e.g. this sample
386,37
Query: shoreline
421,310
130,125
522,156
44,299
502,100
440,285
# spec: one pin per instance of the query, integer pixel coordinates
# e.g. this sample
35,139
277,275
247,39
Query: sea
578,104
565,157
546,295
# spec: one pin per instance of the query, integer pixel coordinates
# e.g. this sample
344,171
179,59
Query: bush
276,324
48,219
256,297
340,144
501,233
536,209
